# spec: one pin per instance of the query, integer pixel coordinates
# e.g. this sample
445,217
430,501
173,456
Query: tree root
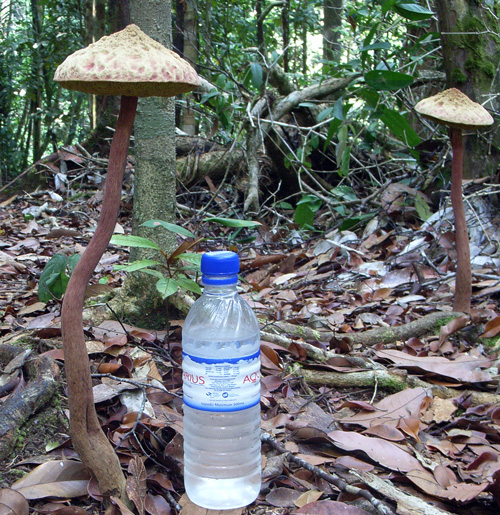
43,374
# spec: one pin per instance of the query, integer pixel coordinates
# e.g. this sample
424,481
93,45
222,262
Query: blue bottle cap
220,267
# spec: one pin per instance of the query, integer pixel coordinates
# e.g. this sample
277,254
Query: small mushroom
131,64
456,110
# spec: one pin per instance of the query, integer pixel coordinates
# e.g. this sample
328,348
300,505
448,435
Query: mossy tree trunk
154,148
471,51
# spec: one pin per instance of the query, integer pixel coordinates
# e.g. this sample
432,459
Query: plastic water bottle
221,384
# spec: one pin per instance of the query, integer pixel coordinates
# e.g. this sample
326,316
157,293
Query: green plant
55,276
171,271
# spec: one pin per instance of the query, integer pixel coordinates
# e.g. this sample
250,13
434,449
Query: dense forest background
374,60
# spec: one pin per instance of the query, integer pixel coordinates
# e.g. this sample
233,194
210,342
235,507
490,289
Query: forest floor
376,396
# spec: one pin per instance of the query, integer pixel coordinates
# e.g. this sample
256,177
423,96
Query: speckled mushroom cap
128,63
451,107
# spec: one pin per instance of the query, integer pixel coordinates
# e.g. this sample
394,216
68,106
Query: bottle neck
214,287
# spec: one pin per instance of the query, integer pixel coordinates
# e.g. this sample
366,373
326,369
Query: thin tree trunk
190,53
154,144
332,22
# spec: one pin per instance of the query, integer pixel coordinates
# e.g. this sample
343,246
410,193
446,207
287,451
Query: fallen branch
425,325
407,504
333,479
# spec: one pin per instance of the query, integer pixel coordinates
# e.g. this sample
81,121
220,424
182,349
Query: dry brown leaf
386,453
441,410
63,478
282,497
462,492
492,328
136,483
13,503
307,498
385,432
157,505
464,368
390,409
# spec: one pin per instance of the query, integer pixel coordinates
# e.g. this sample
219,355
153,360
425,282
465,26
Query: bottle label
225,384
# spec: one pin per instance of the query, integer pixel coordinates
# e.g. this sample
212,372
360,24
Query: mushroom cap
454,109
130,63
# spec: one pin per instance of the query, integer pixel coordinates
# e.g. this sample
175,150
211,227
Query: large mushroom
131,64
456,110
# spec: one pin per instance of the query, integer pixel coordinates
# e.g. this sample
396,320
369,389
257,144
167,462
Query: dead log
214,164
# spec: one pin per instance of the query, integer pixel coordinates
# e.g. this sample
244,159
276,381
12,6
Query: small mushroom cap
454,109
129,63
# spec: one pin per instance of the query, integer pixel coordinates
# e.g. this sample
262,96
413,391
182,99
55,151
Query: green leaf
304,215
232,222
400,127
133,241
343,192
412,12
53,279
72,261
338,109
153,272
170,227
256,70
167,286
137,265
383,45
387,80
323,115
354,220
312,201
422,207
332,129
188,284
190,257
388,5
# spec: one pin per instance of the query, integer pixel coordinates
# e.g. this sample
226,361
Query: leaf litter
429,446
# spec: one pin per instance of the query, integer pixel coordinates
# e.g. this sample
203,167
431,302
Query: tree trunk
471,59
332,22
191,55
154,143
285,27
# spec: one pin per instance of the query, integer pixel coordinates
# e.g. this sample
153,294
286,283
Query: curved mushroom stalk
131,64
87,436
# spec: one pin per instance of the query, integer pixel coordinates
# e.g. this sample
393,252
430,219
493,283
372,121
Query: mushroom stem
463,281
89,440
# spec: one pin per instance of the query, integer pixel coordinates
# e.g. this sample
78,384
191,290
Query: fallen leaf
157,505
282,497
390,409
386,453
464,369
136,483
13,503
64,478
492,328
307,498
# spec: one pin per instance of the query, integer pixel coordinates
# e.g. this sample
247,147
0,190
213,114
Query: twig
330,478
